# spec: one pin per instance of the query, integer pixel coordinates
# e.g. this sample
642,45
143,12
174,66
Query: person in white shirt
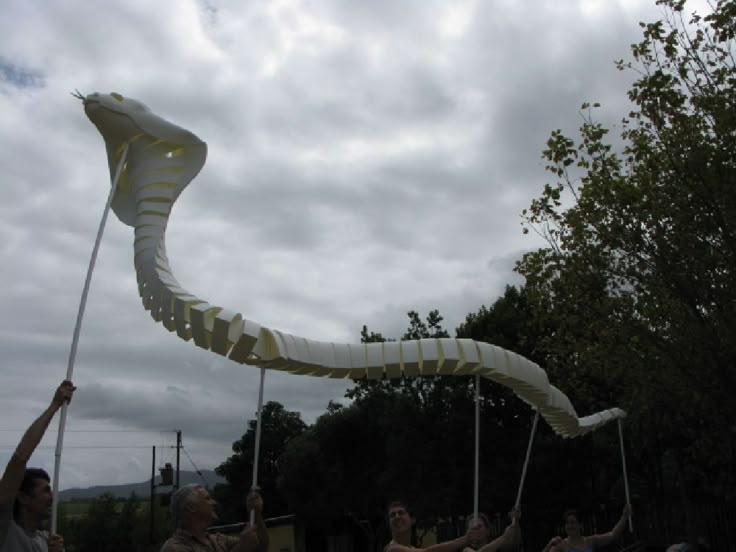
25,493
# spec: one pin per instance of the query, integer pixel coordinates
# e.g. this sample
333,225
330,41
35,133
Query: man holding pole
25,493
194,511
401,521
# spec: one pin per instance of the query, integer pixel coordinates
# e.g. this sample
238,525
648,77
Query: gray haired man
194,511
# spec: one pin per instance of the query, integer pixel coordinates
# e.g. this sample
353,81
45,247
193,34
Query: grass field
79,509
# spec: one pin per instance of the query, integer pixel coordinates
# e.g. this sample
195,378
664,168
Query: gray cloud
365,159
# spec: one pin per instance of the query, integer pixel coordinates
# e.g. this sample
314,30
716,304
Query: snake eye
117,96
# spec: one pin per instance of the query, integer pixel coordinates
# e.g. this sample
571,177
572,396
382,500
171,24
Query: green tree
420,388
100,525
397,438
423,418
591,461
508,323
111,524
163,525
278,427
70,525
411,438
126,523
637,284
386,444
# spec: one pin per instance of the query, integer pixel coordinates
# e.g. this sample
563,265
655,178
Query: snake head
124,121
120,119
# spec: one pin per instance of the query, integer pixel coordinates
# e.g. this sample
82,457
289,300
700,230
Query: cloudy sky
365,159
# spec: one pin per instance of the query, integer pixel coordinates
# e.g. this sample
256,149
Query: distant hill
142,489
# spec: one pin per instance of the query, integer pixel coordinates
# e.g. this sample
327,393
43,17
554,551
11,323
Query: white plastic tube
623,463
75,338
476,483
517,504
257,452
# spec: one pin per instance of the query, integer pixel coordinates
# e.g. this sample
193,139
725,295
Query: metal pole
75,338
517,504
258,441
623,463
476,483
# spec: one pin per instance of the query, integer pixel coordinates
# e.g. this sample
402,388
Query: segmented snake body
162,159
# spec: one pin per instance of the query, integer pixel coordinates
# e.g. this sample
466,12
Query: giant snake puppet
151,162
159,160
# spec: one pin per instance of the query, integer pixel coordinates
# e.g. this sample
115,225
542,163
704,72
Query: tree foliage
113,525
637,282
419,388
397,434
278,427
413,438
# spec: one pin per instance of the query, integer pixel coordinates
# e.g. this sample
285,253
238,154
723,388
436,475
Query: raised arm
254,538
255,503
15,469
554,545
613,534
247,541
510,537
473,533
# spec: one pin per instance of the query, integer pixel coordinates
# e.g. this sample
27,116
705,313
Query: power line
196,469
99,431
161,433
13,447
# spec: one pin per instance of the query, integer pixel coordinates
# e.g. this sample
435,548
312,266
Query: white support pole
476,483
517,504
257,452
623,463
75,338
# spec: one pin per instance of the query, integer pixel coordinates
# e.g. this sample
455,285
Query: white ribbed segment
227,327
431,357
451,356
470,356
392,359
342,360
244,338
162,160
374,360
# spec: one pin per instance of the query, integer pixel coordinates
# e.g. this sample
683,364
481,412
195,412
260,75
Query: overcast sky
366,158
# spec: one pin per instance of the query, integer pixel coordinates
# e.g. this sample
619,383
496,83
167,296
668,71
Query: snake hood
123,121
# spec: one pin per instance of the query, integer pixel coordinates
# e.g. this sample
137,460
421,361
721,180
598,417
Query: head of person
573,525
484,523
193,505
400,517
34,496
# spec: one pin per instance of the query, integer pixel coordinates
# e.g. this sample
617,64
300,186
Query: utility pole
178,450
166,480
